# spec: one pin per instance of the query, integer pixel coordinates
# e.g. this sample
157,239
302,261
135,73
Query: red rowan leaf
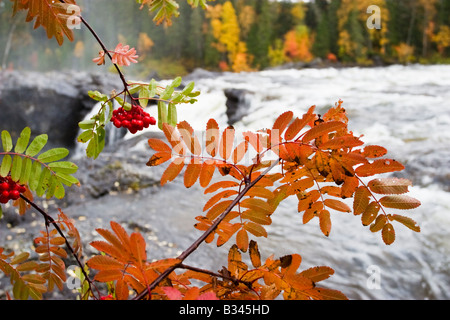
124,56
406,221
400,202
389,185
210,295
172,171
379,166
191,174
172,293
337,205
388,234
321,129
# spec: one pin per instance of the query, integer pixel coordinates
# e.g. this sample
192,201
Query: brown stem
203,237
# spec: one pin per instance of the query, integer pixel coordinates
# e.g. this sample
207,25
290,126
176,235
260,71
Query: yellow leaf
388,234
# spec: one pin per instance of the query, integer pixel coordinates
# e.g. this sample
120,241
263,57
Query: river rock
238,103
51,103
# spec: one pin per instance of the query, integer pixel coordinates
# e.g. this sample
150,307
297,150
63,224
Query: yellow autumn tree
442,39
226,30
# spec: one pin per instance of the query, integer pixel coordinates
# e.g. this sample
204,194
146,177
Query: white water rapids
403,108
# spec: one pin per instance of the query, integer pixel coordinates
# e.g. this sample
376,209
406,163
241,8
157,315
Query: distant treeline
241,35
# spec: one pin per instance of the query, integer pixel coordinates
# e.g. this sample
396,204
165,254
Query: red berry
4,186
3,199
14,195
5,194
117,123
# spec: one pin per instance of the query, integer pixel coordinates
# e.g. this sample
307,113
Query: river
404,108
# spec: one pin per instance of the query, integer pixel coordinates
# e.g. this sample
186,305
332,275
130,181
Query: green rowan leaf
44,182
23,140
53,155
26,170
16,168
36,170
85,136
172,115
87,124
68,180
6,165
6,141
63,167
144,95
162,114
97,96
36,145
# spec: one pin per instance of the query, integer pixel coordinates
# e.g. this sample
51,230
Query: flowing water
404,108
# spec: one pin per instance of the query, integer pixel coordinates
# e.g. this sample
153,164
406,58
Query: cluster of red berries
10,190
134,120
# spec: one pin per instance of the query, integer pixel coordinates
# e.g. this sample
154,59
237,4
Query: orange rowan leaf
108,275
255,256
346,141
257,216
326,294
242,240
256,229
379,223
121,290
163,263
257,205
282,122
206,174
217,197
105,263
406,221
159,145
361,200
217,209
318,273
55,17
137,244
191,174
172,293
370,213
187,134
108,248
255,140
349,186
260,192
124,56
159,158
322,129
290,263
221,184
122,235
388,234
325,222
400,202
298,124
389,185
379,166
226,143
172,170
173,137
299,282
239,152
337,205
374,151
212,136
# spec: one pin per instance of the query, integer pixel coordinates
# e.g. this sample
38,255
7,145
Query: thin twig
49,219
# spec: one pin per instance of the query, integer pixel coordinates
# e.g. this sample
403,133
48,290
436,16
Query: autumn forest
244,35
